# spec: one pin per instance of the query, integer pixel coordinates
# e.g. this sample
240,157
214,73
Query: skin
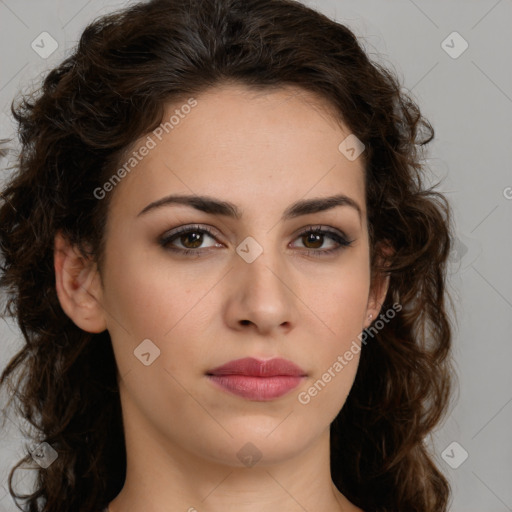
261,151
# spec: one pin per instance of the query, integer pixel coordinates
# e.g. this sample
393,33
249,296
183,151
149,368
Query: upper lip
257,368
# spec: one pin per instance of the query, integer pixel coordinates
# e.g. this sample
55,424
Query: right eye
190,237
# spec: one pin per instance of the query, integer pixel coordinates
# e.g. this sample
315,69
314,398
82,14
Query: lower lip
257,388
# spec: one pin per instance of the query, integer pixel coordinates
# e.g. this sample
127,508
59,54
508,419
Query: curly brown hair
73,133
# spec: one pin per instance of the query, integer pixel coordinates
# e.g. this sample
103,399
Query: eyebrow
217,207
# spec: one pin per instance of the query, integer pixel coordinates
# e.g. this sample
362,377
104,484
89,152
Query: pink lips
257,380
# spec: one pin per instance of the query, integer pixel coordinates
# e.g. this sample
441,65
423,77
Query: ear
379,285
78,286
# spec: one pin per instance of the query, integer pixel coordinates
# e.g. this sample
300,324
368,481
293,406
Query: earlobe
380,285
78,286
376,299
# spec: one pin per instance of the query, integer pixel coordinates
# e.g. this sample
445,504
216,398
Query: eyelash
341,240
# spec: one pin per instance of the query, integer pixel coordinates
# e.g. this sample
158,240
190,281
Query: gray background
468,99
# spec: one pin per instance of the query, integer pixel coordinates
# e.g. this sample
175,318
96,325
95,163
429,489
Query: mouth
257,380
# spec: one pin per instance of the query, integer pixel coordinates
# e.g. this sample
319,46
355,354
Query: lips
257,380
256,368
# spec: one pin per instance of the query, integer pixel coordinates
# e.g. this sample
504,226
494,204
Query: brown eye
194,238
187,240
314,238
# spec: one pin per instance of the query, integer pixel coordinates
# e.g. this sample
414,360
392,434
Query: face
208,283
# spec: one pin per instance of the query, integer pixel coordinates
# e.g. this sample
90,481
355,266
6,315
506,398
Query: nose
261,295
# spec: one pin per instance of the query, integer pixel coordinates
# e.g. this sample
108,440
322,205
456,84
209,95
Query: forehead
246,146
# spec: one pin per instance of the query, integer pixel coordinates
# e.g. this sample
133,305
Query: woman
228,273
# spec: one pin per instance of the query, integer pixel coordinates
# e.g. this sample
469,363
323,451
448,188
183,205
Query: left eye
316,236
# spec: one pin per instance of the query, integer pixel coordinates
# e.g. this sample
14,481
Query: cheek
324,396
340,299
341,307
149,299
336,353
